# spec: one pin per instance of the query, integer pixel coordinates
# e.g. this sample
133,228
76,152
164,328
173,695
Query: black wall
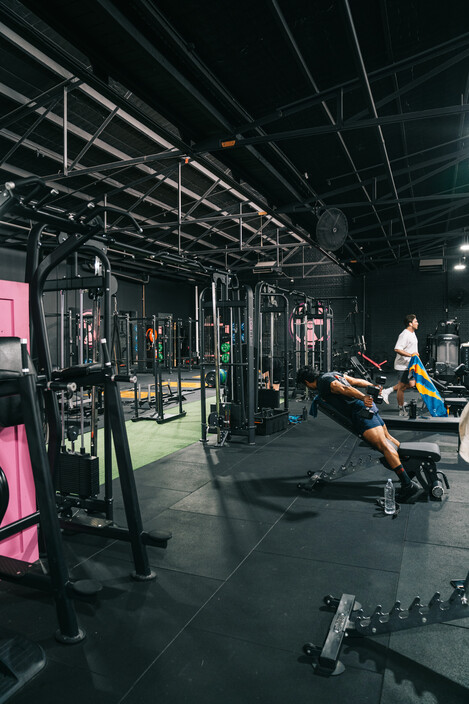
345,296
158,296
12,264
385,297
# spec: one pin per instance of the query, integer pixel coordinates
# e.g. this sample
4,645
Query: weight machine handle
125,377
68,386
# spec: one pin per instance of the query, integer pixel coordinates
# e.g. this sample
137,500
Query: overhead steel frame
301,105
295,231
123,162
396,94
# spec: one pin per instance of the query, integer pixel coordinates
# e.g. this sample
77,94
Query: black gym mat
417,671
233,671
127,628
240,588
428,662
440,523
459,484
170,473
79,683
204,545
343,537
286,602
428,568
242,496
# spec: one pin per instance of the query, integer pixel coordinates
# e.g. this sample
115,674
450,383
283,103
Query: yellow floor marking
129,393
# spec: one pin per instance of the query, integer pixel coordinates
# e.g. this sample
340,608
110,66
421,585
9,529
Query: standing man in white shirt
405,348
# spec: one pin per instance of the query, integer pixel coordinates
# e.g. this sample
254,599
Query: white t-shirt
407,341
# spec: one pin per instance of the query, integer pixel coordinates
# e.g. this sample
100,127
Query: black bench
418,458
444,424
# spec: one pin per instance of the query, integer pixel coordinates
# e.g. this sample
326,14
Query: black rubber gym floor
240,588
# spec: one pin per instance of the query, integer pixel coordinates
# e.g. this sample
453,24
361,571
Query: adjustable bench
419,459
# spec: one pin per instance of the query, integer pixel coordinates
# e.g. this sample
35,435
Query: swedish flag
426,388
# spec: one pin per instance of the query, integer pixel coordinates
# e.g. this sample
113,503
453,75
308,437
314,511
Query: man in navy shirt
343,393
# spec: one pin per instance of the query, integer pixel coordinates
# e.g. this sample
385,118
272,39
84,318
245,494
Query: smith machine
227,348
75,474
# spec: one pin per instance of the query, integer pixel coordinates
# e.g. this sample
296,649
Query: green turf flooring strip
149,440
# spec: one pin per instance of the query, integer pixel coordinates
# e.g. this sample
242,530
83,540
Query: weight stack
77,474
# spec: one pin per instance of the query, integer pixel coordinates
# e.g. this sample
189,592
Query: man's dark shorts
362,424
403,376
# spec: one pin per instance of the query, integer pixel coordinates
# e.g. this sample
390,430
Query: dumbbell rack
349,620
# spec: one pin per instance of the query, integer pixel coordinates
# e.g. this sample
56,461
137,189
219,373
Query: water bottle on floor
389,500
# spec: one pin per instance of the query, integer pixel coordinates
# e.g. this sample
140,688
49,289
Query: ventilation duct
432,264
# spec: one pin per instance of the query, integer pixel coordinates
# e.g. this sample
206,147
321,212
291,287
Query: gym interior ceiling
229,129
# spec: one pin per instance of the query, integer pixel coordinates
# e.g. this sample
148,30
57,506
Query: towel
427,389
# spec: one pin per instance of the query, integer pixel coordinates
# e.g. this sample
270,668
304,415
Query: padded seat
76,372
458,389
10,358
455,401
10,370
428,450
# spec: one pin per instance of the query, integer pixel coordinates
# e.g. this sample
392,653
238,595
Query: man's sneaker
402,412
385,394
404,493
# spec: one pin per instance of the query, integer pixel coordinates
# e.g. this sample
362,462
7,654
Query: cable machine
311,324
271,357
226,312
85,234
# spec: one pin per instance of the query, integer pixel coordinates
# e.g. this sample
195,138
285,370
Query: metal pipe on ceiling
368,93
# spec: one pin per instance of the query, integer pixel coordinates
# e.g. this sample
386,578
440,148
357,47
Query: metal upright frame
80,236
308,313
20,380
271,301
231,306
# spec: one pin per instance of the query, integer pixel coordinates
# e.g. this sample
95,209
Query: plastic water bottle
389,500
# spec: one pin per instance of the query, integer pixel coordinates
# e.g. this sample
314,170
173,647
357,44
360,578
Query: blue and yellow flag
426,388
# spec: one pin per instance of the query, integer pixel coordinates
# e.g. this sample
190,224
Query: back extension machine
419,459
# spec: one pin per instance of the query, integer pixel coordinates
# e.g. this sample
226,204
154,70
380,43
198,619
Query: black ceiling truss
372,124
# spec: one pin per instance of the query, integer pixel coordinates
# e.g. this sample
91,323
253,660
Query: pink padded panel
14,453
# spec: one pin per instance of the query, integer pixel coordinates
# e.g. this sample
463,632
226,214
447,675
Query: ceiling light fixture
265,264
